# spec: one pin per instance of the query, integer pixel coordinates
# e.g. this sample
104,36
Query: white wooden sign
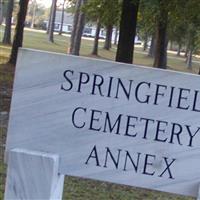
109,121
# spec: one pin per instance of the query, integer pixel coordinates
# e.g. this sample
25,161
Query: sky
47,3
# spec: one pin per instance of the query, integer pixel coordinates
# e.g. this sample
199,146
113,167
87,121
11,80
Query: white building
89,29
67,22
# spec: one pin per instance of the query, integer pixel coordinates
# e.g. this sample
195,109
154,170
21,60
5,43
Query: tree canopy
163,22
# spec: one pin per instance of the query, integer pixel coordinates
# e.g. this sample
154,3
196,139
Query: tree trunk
34,12
189,59
145,42
51,28
7,32
160,60
50,16
79,30
116,36
62,18
75,23
127,33
96,39
186,51
151,52
19,30
107,44
179,50
171,45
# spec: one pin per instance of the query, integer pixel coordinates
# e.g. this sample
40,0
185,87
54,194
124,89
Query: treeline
162,24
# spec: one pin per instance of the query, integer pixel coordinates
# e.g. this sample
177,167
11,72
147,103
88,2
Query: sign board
109,121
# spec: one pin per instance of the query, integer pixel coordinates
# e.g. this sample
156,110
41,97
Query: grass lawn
39,40
75,188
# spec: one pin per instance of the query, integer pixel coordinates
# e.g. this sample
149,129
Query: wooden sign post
102,120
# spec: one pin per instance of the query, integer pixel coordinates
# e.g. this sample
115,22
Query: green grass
83,189
39,40
76,188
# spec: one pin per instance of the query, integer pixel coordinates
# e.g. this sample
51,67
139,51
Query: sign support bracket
33,175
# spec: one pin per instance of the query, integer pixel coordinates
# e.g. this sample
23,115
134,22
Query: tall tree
116,35
151,52
62,18
176,25
191,44
146,21
109,30
184,26
78,26
110,18
79,31
145,45
94,12
104,12
7,32
34,13
177,33
50,16
127,32
19,30
192,22
160,60
96,38
75,22
52,22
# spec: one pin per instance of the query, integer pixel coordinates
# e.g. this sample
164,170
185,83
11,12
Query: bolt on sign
109,121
